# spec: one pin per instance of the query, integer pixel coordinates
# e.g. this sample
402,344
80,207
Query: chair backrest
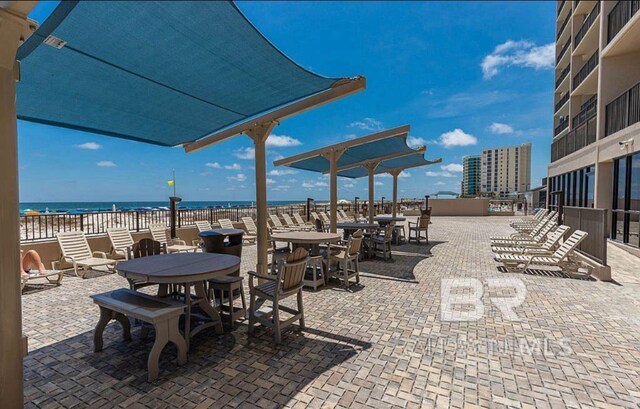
539,214
570,244
319,225
226,223
324,217
203,225
74,244
120,238
147,247
250,225
542,229
342,214
275,220
355,242
288,220
388,232
554,238
299,219
314,216
423,221
159,232
291,270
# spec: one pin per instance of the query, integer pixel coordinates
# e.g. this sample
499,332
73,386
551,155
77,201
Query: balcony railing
575,140
587,110
561,102
623,111
562,76
588,22
586,69
563,51
561,7
564,24
620,16
564,124
575,3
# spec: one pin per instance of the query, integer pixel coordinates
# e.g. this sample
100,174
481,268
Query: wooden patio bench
164,315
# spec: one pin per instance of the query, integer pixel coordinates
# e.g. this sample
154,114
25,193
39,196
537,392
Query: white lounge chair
226,224
76,251
559,259
293,225
300,221
121,242
160,234
203,225
538,235
546,248
277,224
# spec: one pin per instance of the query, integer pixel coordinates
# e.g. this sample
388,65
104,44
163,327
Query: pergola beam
339,90
397,155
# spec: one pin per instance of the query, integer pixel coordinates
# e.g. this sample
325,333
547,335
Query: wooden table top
389,219
356,226
221,232
179,267
308,237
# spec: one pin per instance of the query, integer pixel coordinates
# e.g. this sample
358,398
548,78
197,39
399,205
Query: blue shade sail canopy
405,162
167,73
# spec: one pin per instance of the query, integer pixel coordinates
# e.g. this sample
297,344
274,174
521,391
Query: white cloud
106,164
379,184
415,142
444,174
457,137
348,185
440,183
240,177
282,141
235,166
350,136
367,124
402,174
92,146
321,184
518,53
205,174
282,172
245,153
452,167
214,165
282,188
270,181
307,185
500,129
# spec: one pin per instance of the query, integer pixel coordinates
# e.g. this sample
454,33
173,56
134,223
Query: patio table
310,240
214,240
385,220
184,269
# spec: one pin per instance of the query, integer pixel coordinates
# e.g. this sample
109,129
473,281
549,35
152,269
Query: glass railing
561,127
586,69
561,102
562,76
576,139
563,51
588,22
623,111
564,24
620,16
587,110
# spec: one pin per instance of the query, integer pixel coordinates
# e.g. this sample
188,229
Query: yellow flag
170,182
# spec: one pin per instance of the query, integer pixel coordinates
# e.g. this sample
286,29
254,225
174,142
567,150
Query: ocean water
107,206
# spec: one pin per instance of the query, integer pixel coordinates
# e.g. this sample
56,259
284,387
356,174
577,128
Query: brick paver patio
381,345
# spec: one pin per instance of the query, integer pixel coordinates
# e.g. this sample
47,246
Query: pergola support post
395,174
371,168
333,157
12,344
259,134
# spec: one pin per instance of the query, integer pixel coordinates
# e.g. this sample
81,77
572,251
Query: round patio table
184,269
307,239
385,220
214,241
350,228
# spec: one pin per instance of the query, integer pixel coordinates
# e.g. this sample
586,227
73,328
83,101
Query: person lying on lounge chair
30,261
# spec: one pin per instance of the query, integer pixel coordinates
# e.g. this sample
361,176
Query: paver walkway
384,344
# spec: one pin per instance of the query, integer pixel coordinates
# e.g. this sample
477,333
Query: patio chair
300,221
159,233
121,242
538,235
76,251
144,248
528,227
560,258
325,218
41,272
286,283
383,241
545,248
277,224
346,256
343,215
226,224
295,226
421,226
320,226
201,225
536,217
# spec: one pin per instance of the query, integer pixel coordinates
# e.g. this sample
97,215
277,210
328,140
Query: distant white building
506,170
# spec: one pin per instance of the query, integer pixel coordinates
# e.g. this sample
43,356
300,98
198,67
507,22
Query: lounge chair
287,282
546,248
346,256
41,272
528,227
536,217
277,224
76,251
159,233
421,226
538,235
521,262
325,218
293,225
201,225
121,242
226,224
300,221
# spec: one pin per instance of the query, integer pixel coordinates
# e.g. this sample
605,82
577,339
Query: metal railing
623,111
563,51
562,76
619,16
45,226
586,69
587,110
588,22
564,124
576,139
562,27
561,102
561,7
594,222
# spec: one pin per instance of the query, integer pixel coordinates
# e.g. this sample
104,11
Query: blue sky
464,75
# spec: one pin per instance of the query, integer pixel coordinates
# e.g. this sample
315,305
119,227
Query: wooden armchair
417,228
287,282
346,256
144,248
383,241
